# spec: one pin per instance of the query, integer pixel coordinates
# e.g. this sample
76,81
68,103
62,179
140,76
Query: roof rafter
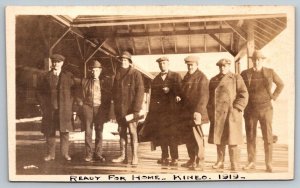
222,44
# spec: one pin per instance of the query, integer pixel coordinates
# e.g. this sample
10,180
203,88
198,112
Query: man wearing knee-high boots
56,94
128,96
259,82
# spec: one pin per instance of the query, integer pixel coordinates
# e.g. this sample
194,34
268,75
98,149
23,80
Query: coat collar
130,71
192,76
250,72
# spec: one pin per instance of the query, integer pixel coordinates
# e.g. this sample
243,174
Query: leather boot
123,149
221,156
134,147
51,143
268,156
233,154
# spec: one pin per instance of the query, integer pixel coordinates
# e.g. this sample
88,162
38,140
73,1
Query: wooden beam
108,48
117,45
261,37
132,44
58,40
62,19
189,37
241,53
205,38
238,30
161,33
162,45
95,51
79,47
266,25
250,42
148,40
222,44
173,19
272,25
282,22
175,39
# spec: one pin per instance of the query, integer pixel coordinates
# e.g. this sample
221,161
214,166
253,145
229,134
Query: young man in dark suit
259,82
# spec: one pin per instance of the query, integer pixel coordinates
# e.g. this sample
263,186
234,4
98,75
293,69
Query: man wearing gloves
194,113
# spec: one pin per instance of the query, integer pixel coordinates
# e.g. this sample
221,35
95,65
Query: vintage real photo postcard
150,93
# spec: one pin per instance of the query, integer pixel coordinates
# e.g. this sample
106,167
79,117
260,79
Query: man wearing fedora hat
194,100
259,82
56,95
96,97
128,96
228,97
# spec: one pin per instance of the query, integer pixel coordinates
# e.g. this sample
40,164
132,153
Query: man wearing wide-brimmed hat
55,93
259,82
96,97
128,95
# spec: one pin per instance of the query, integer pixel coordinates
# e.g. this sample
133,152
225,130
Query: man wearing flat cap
259,82
128,96
162,119
96,97
56,95
228,97
194,114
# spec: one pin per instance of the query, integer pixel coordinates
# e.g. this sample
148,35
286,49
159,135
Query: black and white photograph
150,93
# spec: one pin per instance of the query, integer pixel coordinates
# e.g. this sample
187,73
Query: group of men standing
178,108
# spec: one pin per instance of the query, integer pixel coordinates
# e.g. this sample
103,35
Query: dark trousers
64,144
50,137
172,145
91,118
264,116
195,145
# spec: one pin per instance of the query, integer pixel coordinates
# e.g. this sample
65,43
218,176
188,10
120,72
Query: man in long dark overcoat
96,99
194,113
228,97
56,92
259,82
162,119
128,96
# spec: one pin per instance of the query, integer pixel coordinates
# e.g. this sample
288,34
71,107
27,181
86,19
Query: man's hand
178,99
197,118
136,115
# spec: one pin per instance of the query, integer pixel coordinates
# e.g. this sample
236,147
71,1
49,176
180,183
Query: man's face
258,63
96,72
163,66
192,67
224,69
125,63
56,65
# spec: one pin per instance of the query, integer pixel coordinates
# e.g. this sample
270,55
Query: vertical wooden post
250,42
